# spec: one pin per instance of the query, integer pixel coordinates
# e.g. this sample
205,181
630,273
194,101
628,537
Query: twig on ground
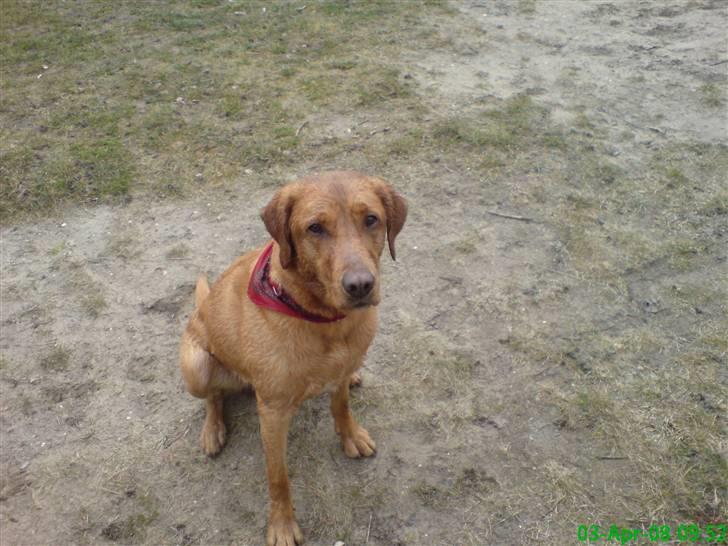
166,442
382,130
300,127
510,216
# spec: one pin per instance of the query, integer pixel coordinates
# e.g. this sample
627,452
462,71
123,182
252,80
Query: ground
554,335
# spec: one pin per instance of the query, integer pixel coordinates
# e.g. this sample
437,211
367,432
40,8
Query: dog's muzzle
358,285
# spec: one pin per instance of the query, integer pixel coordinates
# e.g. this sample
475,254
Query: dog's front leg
282,527
354,438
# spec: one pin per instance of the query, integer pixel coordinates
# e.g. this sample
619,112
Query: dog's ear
276,216
395,207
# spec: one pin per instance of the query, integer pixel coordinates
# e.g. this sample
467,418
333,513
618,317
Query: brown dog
295,319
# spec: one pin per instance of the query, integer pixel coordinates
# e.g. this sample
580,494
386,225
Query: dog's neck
291,282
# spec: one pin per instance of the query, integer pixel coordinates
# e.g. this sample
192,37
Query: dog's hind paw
212,437
355,380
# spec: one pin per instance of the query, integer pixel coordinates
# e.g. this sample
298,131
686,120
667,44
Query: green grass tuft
57,360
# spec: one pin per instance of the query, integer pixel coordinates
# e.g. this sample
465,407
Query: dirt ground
552,350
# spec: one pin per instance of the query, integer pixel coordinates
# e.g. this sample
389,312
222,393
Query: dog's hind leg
205,377
213,434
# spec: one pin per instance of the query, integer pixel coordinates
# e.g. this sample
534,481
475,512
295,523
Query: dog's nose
358,283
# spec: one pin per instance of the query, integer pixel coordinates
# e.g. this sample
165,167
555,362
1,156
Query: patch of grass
330,513
381,86
88,292
181,22
26,405
123,245
430,495
56,250
683,253
86,171
505,131
473,481
555,141
105,168
566,483
469,483
526,7
177,252
134,98
407,144
93,304
595,408
691,493
456,132
465,246
713,95
162,126
582,121
134,527
675,177
346,64
716,205
58,38
57,360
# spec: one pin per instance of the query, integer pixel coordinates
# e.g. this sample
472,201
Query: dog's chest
327,370
314,388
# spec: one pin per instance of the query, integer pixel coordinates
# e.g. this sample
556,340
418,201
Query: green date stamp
684,532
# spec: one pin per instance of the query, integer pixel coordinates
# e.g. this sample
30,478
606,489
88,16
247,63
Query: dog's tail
201,290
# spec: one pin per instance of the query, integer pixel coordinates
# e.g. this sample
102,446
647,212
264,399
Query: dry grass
57,360
649,396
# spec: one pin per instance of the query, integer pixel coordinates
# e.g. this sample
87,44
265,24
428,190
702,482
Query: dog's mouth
363,303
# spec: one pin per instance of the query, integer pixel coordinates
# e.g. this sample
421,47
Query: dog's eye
371,220
316,228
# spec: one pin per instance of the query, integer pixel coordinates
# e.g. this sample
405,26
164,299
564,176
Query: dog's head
331,230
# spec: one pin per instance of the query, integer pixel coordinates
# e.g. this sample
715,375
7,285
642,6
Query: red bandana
265,293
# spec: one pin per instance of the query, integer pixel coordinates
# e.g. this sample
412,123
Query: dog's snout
358,284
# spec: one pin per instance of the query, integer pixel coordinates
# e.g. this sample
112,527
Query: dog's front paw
212,437
358,443
283,532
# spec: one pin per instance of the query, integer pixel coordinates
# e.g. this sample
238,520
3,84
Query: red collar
266,293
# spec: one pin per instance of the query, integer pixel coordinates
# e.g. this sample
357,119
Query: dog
294,319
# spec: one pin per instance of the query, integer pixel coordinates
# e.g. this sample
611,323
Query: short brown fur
231,343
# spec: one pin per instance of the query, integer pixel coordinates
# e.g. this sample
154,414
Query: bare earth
476,441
